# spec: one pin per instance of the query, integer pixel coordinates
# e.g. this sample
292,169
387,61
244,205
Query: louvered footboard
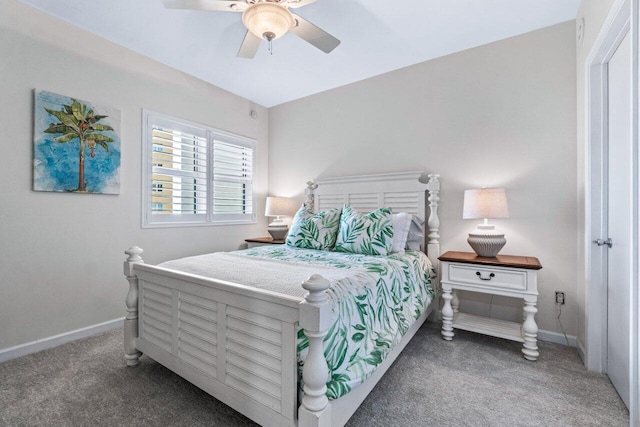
248,352
235,342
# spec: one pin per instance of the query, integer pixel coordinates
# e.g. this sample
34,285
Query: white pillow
415,239
401,223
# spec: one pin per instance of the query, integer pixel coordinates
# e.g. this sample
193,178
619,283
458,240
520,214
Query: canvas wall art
76,145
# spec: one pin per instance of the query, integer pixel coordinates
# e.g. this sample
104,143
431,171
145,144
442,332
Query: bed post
131,354
433,224
308,193
315,319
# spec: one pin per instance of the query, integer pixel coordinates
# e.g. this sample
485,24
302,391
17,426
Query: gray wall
503,114
61,254
594,13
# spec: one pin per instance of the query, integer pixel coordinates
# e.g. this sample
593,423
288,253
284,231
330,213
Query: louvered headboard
402,192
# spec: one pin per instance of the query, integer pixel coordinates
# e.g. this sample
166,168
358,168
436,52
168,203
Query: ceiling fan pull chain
271,47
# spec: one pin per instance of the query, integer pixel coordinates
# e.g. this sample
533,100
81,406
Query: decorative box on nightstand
262,241
506,275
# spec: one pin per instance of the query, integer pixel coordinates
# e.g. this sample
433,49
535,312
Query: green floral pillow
314,231
370,234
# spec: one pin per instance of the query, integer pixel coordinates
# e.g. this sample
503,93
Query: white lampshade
485,203
267,20
279,206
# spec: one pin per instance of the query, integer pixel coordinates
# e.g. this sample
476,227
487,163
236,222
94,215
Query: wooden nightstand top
528,262
265,240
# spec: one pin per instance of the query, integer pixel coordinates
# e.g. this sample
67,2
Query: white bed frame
238,343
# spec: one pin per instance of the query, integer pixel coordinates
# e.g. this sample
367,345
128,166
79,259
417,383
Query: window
195,175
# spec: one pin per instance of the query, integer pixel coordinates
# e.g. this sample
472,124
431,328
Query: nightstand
506,275
262,241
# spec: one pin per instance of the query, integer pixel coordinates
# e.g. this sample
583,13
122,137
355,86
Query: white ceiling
377,36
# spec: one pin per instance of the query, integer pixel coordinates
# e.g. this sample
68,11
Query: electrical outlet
559,297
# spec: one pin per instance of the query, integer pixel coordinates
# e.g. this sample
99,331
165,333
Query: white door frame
622,18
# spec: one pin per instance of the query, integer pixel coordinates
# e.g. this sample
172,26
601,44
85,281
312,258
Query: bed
241,342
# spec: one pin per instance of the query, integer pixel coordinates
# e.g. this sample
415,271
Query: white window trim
147,172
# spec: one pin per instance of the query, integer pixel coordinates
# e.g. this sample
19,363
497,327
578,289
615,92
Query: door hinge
601,242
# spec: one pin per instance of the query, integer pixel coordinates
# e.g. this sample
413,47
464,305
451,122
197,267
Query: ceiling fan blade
294,4
212,5
249,46
314,35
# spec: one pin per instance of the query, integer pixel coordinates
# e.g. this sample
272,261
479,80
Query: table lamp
486,203
278,206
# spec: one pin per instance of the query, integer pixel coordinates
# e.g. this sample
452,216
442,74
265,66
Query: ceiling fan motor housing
268,20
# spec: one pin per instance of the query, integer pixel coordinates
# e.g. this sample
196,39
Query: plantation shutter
195,175
232,178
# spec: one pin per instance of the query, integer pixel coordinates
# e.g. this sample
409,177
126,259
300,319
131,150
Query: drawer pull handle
491,276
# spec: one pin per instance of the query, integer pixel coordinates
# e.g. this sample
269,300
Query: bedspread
374,299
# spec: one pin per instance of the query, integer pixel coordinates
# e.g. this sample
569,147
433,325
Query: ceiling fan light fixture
267,20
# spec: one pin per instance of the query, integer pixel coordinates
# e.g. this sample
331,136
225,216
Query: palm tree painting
76,147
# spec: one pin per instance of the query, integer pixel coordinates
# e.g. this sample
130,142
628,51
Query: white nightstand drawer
487,276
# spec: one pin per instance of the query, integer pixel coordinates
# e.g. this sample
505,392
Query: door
619,221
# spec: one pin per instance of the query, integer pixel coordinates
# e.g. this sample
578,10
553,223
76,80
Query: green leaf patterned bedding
367,234
373,307
314,230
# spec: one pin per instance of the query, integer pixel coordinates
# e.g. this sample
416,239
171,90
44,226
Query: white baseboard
56,340
557,338
582,353
549,336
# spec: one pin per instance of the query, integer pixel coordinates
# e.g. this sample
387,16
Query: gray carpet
471,381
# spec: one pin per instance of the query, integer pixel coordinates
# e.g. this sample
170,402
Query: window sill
196,224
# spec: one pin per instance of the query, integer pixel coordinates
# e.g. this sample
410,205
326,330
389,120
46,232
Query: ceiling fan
264,19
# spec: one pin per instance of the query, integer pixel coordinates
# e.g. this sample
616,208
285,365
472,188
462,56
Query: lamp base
486,244
278,232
